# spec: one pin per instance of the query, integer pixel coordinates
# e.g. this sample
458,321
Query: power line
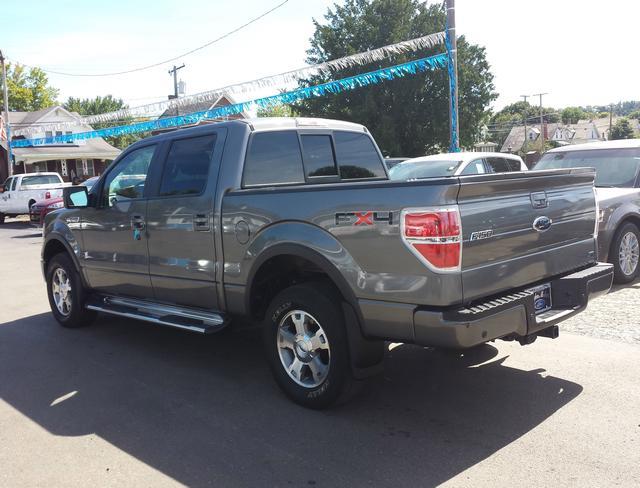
516,123
142,68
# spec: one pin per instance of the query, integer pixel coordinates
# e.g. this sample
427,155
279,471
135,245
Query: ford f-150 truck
294,224
20,192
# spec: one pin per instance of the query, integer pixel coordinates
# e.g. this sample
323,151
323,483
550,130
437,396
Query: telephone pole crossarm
174,72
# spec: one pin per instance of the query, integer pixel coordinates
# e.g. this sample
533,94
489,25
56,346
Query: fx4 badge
481,234
364,218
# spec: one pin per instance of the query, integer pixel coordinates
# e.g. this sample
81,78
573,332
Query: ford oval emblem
540,304
542,223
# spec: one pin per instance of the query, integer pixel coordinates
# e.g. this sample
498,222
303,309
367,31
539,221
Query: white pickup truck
19,192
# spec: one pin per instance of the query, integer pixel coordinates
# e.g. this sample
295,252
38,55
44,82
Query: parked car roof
464,156
618,144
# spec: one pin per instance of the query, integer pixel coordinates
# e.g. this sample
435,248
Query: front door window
126,181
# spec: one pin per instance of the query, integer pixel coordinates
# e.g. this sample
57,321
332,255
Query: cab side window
318,156
273,158
7,184
475,167
357,156
187,167
127,179
502,165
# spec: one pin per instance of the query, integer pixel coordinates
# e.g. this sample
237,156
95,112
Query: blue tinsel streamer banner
331,87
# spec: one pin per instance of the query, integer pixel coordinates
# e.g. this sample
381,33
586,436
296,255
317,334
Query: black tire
322,305
620,275
76,314
1,218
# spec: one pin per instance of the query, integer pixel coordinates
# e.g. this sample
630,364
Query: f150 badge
481,234
364,218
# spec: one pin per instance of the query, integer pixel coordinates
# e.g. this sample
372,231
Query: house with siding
80,158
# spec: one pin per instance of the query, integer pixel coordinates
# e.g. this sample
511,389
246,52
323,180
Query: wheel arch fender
619,217
308,242
55,242
365,355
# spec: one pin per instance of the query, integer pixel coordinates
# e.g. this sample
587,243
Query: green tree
94,106
408,116
29,89
571,115
621,130
101,105
277,111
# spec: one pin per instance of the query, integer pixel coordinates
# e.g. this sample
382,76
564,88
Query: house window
87,167
48,134
69,133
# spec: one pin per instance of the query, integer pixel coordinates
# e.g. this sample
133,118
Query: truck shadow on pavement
205,411
16,225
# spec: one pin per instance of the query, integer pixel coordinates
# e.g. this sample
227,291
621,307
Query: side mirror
75,196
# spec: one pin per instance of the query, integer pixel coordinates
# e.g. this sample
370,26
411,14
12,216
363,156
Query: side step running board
158,313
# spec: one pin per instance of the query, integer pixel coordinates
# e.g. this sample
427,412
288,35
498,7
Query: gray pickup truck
294,224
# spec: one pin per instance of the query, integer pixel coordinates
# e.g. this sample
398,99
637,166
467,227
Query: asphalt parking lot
123,403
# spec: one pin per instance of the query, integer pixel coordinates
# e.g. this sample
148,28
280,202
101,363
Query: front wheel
306,345
66,293
625,253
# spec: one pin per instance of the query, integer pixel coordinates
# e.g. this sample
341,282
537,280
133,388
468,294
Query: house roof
96,148
201,106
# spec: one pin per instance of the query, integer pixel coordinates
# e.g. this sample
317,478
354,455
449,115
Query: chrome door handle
137,222
201,222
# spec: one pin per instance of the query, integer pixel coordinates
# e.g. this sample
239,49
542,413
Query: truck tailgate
522,228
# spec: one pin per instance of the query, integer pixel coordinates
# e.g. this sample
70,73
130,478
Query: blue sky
560,47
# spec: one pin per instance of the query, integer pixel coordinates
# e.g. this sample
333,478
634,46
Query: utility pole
524,144
5,94
452,52
610,118
174,71
541,120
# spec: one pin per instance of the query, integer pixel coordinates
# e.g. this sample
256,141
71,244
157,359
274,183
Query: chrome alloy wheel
629,253
61,291
303,348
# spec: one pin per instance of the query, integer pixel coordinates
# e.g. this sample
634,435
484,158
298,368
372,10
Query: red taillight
47,195
434,236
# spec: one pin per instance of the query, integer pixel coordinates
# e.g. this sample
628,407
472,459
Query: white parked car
20,192
456,164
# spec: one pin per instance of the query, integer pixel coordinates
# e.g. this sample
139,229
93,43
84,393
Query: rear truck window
273,158
357,156
318,156
187,166
28,181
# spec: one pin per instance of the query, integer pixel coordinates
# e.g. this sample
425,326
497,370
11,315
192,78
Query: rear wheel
66,293
1,218
625,253
306,345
